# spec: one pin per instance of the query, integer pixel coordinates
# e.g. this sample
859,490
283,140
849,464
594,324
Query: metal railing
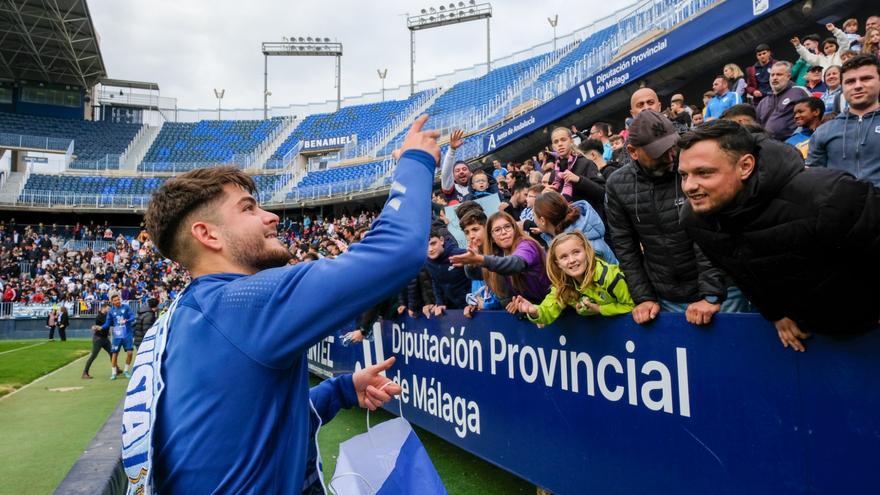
36,142
108,162
287,160
76,309
65,199
81,245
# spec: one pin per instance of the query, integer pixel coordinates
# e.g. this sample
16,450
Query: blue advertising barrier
602,405
726,17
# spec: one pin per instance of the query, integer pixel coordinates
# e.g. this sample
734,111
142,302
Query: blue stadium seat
191,144
92,140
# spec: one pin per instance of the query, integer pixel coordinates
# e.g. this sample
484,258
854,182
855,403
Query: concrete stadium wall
35,328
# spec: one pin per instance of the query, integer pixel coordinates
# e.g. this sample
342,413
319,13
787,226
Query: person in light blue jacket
554,215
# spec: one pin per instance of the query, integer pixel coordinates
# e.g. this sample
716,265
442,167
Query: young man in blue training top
220,399
119,321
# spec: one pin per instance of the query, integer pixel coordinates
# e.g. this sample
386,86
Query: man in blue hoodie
219,401
851,141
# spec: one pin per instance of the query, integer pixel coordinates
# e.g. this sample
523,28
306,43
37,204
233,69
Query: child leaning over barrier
579,279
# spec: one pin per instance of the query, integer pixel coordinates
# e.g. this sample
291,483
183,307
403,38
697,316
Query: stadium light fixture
300,47
219,94
382,74
553,22
446,15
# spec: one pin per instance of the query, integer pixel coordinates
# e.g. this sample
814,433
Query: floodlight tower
382,74
301,47
219,94
553,22
445,15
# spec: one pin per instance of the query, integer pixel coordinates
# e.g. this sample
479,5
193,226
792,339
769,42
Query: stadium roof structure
51,41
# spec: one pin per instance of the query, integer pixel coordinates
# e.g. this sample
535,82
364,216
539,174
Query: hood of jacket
589,222
776,165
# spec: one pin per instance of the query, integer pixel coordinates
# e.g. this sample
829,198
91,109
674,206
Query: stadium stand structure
182,146
93,141
364,122
478,103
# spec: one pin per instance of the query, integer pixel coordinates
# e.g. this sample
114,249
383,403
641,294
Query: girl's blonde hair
566,286
869,48
735,70
495,281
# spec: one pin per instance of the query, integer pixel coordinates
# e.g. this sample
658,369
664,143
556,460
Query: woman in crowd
833,97
736,80
512,262
580,280
554,215
872,43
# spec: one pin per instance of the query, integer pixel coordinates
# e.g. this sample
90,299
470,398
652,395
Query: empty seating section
583,49
206,141
364,121
473,93
91,185
342,176
92,140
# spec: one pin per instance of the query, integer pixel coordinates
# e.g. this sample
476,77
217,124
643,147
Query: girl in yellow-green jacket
580,280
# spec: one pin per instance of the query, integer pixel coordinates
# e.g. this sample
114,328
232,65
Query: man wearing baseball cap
664,269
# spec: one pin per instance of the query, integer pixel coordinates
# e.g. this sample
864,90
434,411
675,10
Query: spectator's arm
446,180
426,289
843,43
438,292
591,184
811,58
549,309
625,242
505,265
299,305
752,81
711,281
818,154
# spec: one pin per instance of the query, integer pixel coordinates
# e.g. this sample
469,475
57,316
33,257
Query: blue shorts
126,343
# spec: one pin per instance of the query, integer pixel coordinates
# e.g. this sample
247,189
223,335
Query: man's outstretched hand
368,384
418,139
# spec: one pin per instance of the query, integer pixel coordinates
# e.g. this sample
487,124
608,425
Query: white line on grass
25,347
10,394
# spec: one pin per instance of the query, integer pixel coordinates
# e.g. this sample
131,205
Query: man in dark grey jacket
664,269
146,316
776,110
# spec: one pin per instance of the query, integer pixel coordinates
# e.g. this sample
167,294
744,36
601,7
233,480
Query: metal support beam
412,62
265,87
488,45
338,82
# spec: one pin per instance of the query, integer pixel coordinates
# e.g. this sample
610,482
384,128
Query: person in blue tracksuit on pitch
219,399
119,321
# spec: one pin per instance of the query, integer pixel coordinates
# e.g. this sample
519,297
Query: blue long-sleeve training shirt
234,415
116,316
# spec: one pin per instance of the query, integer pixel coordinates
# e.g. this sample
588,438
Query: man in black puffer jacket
146,316
663,267
802,243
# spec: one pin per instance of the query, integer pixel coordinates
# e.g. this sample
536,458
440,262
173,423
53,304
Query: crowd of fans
649,219
638,221
37,268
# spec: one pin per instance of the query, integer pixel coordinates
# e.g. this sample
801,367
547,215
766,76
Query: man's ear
632,152
207,235
746,166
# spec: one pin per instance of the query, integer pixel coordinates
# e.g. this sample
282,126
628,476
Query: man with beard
776,110
220,400
664,269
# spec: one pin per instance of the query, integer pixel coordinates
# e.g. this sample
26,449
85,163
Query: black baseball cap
653,132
